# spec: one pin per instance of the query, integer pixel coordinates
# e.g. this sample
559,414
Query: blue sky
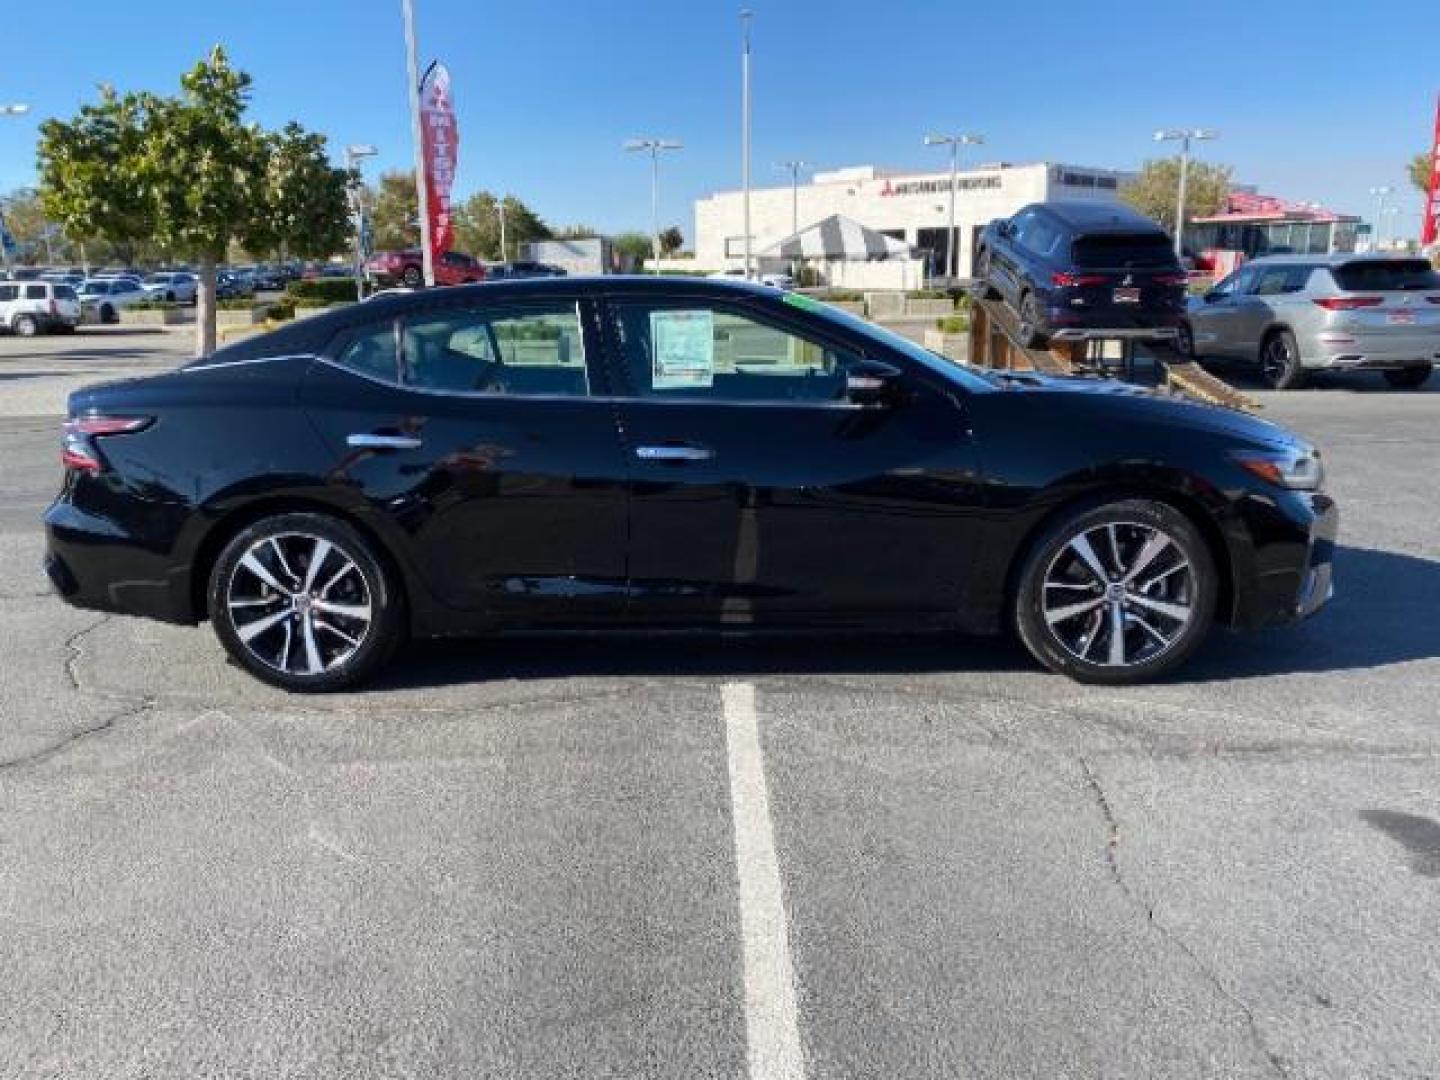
1314,102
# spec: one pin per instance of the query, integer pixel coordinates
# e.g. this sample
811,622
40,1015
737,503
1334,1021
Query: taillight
1348,303
79,452
1062,278
1172,279
1433,299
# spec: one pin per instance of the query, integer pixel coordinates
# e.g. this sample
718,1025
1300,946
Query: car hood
1142,403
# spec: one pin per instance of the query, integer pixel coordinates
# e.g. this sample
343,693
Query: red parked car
404,268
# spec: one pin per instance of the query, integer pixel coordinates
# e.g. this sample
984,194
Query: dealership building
912,207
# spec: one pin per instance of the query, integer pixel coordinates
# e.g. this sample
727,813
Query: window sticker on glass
682,347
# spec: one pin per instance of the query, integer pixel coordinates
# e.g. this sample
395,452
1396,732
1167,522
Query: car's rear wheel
412,277
1410,378
302,601
1117,593
1280,362
107,315
1030,334
1185,341
26,326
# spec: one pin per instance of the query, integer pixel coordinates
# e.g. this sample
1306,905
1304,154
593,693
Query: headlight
1298,470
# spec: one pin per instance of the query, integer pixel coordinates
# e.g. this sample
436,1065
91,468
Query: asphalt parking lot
856,858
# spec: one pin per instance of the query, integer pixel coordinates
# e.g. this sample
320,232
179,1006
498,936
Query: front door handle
674,453
370,440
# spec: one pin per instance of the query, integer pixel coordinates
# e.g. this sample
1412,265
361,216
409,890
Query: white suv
28,308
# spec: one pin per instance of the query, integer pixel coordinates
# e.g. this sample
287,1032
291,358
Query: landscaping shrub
327,290
153,305
234,303
953,324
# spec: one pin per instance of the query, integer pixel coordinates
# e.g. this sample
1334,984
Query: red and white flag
440,141
1430,228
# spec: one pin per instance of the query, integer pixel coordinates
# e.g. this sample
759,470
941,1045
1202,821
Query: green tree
34,235
477,226
1419,170
394,213
1155,190
636,246
577,232
190,175
671,241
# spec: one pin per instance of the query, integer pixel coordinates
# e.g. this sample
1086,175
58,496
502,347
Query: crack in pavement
74,651
1112,862
45,753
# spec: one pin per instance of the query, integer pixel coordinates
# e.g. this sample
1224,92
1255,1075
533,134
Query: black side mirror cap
872,383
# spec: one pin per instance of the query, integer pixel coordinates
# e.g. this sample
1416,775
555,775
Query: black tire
1180,577
295,650
412,277
169,297
25,325
1410,378
1031,336
1280,361
108,315
983,268
1185,341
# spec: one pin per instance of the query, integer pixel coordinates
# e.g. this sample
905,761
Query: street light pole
422,187
500,209
654,146
745,16
952,240
1380,193
354,154
1183,135
794,167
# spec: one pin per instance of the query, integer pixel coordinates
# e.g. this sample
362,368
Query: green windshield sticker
800,300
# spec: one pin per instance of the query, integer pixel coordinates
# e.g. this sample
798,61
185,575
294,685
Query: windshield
954,370
1386,275
64,292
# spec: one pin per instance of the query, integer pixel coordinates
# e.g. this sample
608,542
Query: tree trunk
205,309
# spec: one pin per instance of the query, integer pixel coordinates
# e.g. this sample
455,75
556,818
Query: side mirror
872,384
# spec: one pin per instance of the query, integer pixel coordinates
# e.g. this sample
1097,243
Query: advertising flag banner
1430,227
440,140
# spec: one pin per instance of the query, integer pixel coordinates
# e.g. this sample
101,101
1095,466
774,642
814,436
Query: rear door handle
674,453
370,440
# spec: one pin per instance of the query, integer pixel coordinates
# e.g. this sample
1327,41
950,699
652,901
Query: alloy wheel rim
299,604
1277,356
1119,594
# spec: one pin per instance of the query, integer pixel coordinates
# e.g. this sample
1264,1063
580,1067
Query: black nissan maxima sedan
570,453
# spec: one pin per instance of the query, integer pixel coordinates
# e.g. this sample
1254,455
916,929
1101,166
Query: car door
1010,257
1214,321
759,491
1254,306
484,432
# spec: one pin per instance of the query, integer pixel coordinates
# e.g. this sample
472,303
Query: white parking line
771,1029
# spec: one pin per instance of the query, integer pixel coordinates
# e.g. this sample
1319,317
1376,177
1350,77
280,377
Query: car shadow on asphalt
1382,614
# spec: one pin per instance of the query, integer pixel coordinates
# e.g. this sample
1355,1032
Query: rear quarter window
1123,250
1386,275
64,292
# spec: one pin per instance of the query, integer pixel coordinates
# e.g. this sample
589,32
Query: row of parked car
1077,270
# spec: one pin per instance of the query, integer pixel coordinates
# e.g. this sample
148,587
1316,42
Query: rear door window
1277,280
37,292
1386,275
1127,250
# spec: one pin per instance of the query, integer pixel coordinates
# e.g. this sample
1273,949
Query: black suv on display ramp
1070,269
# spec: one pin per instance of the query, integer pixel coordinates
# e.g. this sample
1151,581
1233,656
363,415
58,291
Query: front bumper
1290,572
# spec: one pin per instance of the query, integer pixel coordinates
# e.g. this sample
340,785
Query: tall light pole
954,142
500,210
1380,194
745,16
793,168
654,147
1391,212
9,110
422,188
1183,136
354,154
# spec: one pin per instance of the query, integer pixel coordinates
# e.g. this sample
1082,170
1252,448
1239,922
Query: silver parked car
1294,314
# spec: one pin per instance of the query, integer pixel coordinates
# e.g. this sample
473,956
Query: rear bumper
1124,323
1341,351
93,563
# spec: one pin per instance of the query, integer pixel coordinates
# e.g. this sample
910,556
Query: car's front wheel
1410,378
302,601
412,277
26,326
1116,593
